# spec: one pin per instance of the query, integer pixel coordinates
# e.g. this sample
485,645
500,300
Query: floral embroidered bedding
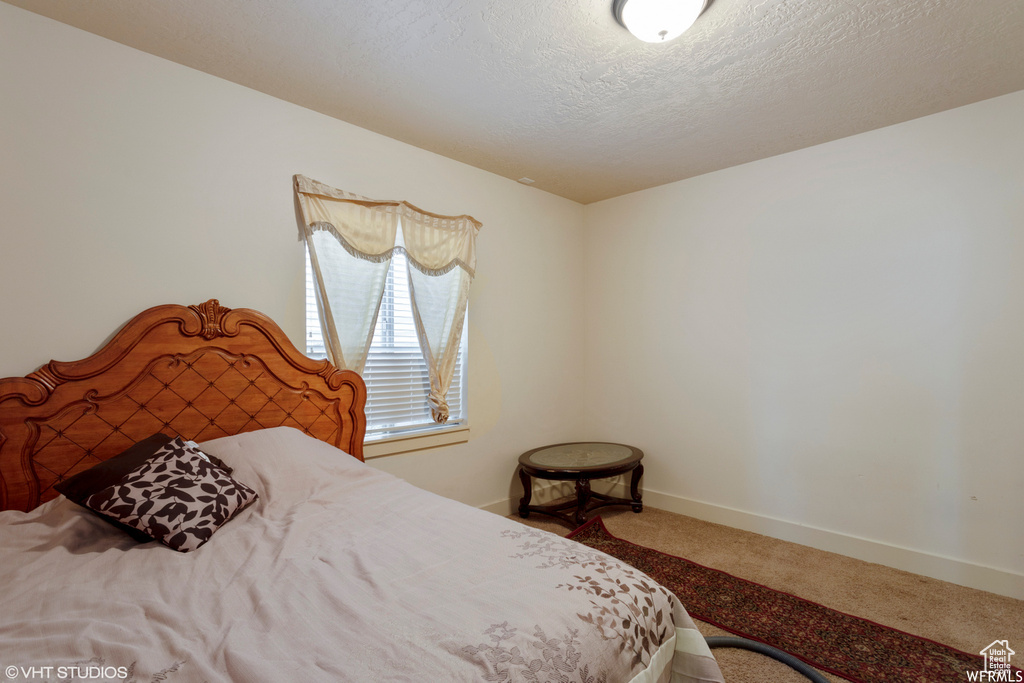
336,571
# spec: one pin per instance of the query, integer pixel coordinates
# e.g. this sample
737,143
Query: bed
331,570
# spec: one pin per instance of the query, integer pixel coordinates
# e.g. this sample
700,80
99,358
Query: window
396,376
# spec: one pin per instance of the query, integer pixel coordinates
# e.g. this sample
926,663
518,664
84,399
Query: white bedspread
339,572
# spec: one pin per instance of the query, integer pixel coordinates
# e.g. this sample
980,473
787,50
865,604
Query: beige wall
828,345
128,181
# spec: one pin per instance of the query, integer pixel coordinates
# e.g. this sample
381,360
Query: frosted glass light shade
657,21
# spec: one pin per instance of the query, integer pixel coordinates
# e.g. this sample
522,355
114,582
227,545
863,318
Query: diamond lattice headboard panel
201,372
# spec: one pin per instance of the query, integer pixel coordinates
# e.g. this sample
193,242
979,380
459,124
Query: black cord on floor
775,653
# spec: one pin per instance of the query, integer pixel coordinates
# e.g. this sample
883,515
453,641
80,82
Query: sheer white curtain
351,240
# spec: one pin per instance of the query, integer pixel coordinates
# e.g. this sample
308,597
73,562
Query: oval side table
580,461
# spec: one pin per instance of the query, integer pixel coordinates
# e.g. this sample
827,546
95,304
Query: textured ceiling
557,91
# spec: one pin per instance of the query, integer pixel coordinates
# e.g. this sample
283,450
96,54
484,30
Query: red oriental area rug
847,646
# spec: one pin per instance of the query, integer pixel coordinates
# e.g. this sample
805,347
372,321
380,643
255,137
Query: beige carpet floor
960,617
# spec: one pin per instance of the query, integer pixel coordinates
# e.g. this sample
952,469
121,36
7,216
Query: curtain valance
368,228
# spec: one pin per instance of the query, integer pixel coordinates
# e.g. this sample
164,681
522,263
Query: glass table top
575,455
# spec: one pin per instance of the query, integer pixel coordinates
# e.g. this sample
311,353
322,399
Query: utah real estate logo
997,664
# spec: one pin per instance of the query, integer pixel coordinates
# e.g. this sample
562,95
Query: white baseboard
948,569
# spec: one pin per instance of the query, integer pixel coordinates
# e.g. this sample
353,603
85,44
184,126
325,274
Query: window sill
415,442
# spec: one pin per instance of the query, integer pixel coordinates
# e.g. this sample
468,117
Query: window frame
402,439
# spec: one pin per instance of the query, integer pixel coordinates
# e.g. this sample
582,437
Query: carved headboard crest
211,313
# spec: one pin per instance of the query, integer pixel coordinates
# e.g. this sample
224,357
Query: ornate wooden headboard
201,372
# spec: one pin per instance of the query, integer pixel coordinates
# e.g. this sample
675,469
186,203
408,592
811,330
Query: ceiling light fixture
658,21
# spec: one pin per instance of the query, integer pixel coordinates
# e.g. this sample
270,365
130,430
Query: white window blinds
396,376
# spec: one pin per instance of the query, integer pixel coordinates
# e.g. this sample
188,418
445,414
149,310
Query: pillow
165,490
98,477
84,484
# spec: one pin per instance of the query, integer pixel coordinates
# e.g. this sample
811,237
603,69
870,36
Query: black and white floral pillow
177,496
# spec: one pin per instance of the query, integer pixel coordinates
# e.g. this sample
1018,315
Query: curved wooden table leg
634,489
582,498
524,502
